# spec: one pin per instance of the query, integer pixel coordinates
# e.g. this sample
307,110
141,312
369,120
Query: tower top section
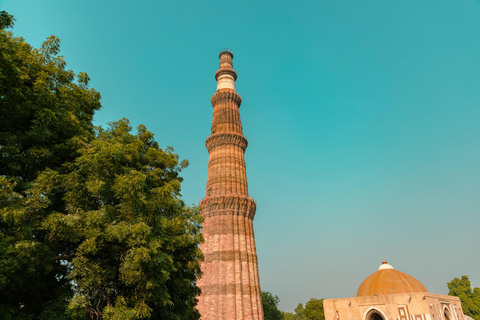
225,75
226,51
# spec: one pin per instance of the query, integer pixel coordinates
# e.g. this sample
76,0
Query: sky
362,119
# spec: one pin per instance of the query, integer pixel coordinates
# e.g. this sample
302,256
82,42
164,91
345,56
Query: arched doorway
446,314
376,315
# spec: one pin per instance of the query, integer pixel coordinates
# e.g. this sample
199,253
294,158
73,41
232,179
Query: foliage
270,306
300,312
45,116
124,238
470,298
137,251
314,309
288,316
298,315
46,110
6,20
91,222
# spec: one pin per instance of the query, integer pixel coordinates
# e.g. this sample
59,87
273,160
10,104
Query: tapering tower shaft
230,284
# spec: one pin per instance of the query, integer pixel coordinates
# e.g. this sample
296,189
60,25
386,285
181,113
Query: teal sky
363,121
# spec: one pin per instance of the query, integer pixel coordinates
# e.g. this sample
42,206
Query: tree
270,306
46,110
298,315
288,316
92,224
300,312
129,245
470,298
46,115
135,243
314,309
6,20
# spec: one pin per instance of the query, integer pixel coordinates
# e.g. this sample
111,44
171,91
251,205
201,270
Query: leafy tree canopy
92,224
300,312
288,316
136,243
270,306
6,20
45,117
46,110
470,298
314,309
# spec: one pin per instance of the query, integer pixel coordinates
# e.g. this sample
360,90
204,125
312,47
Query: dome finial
384,266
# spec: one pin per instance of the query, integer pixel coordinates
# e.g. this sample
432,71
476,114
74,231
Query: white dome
384,266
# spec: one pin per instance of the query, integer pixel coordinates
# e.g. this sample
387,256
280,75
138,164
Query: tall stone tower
230,284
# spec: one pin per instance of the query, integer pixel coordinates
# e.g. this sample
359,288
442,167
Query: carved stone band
224,96
218,139
229,205
215,289
230,256
225,71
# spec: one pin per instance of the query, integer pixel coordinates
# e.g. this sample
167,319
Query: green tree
135,243
46,110
270,306
46,115
298,315
470,298
92,224
314,309
300,312
128,242
288,316
6,20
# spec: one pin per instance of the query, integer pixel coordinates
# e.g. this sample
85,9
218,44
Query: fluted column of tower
230,284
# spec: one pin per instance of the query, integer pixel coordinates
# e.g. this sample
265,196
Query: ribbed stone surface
230,284
389,281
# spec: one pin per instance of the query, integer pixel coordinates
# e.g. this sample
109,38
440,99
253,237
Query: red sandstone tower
230,284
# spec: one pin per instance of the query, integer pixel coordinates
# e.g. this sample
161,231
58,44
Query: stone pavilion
389,294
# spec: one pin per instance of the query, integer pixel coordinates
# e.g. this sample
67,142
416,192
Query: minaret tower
230,284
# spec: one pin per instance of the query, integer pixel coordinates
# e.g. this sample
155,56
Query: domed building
389,294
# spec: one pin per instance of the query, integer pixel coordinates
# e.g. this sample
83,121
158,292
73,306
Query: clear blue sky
363,120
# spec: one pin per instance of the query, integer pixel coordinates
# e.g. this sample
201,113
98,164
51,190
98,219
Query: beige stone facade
392,295
404,306
230,284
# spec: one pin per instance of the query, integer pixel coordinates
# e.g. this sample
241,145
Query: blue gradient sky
363,120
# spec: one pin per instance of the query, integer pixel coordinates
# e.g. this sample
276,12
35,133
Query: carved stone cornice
218,205
224,96
228,71
218,139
